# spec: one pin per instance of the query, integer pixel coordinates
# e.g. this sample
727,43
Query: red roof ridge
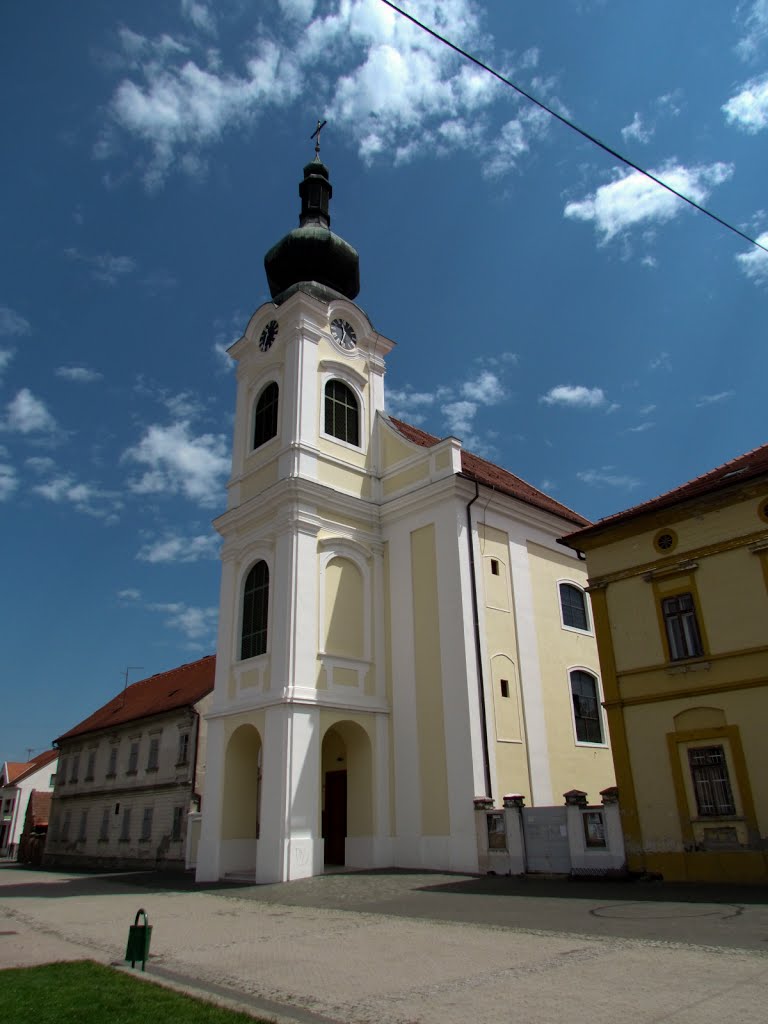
482,471
164,691
731,473
37,763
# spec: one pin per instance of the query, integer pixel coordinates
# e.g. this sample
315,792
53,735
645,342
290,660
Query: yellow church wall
258,480
393,449
343,477
408,477
351,737
573,765
344,609
388,680
435,817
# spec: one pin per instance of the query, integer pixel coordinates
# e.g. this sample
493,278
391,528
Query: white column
209,850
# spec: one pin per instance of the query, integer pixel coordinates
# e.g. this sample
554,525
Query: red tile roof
731,474
166,691
37,763
490,475
38,809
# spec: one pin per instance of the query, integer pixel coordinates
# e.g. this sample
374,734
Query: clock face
344,334
268,335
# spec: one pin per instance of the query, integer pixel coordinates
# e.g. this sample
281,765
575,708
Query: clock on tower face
344,334
268,335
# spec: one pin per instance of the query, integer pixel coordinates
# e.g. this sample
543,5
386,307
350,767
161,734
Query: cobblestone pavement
400,948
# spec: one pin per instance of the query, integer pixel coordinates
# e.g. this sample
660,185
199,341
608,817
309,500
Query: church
400,632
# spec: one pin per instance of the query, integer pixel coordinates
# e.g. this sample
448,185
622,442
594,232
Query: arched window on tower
265,418
342,416
255,611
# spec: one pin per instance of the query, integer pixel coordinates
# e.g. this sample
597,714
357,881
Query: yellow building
679,588
400,631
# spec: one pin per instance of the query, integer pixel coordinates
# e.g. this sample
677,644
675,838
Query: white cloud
460,418
486,389
607,477
200,15
409,405
641,427
748,109
647,410
180,549
574,395
104,266
87,498
671,103
194,622
40,464
661,362
754,262
756,26
721,396
401,94
9,481
181,463
637,130
28,415
632,199
80,374
13,323
6,355
129,594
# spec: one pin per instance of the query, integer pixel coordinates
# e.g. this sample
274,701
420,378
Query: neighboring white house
400,631
17,780
131,774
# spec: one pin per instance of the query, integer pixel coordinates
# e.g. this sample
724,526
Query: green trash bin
139,936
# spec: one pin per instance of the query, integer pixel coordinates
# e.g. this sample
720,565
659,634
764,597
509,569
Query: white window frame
256,391
356,382
604,745
258,556
590,630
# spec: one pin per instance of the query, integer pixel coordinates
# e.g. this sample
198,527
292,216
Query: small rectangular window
682,628
178,820
497,833
594,830
495,566
133,758
154,754
125,830
183,756
504,687
146,825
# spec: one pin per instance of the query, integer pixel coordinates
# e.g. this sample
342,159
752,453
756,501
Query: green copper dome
312,255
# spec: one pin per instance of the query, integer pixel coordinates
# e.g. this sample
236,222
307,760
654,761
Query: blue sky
558,313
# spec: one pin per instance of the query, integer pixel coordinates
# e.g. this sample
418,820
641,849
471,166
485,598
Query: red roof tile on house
37,763
483,472
165,691
738,471
13,769
38,809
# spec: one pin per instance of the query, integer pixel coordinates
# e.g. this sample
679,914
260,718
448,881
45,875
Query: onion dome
312,257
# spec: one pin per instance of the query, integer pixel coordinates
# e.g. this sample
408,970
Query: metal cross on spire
316,136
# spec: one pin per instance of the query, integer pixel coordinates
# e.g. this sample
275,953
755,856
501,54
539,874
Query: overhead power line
574,127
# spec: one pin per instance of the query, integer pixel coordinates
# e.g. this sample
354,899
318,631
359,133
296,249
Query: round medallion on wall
344,334
665,541
268,336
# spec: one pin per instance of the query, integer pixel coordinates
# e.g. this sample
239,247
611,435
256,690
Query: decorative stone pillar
513,821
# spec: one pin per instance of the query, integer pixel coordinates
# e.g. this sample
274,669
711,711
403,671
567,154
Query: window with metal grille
146,825
573,604
104,827
154,754
265,416
709,771
341,412
125,828
133,758
255,610
178,819
586,707
683,634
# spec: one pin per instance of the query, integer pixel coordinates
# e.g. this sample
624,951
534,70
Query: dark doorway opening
335,816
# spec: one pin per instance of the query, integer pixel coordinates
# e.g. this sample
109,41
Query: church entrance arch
241,805
347,790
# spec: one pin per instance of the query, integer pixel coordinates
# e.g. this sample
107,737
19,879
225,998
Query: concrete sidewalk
397,948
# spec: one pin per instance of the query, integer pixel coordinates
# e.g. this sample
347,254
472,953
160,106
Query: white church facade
400,632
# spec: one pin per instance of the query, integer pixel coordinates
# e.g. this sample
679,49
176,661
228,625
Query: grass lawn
88,993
